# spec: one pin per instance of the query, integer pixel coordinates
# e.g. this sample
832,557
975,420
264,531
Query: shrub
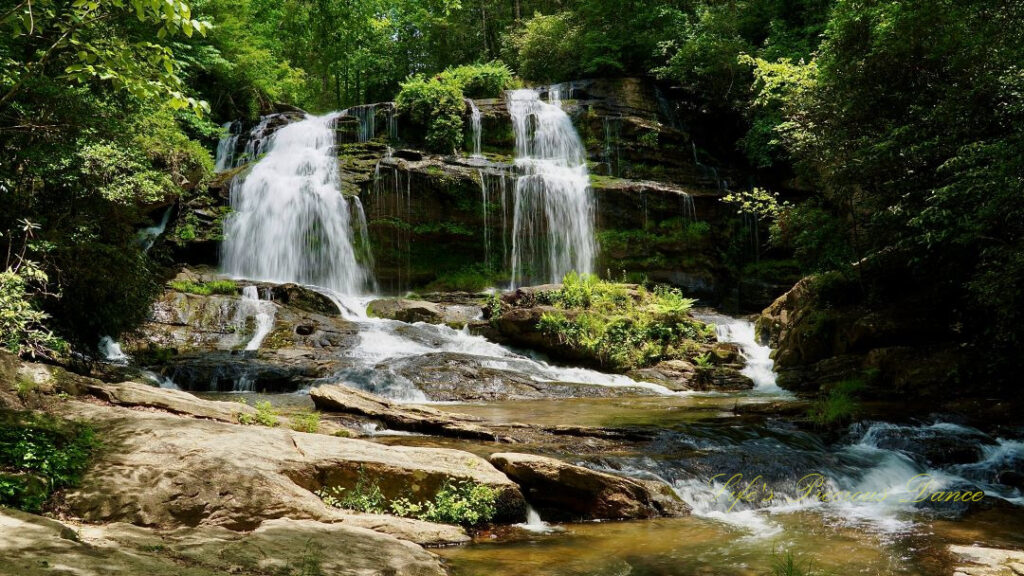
456,502
481,80
265,414
22,325
547,48
433,107
621,326
40,454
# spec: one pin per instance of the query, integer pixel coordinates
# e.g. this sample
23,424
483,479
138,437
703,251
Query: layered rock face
443,222
896,351
215,341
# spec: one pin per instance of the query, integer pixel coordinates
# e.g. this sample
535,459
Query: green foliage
480,80
364,497
309,422
788,565
547,48
265,415
839,405
205,288
456,502
22,324
622,326
472,278
435,106
38,455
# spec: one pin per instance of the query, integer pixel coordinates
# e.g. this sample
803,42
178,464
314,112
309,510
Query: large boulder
33,545
562,490
407,310
160,469
338,398
200,341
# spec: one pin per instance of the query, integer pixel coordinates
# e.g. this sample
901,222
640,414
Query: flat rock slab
157,469
339,398
574,492
33,545
981,561
176,401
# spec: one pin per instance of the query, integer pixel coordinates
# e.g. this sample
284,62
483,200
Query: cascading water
111,351
760,366
367,117
290,222
476,122
263,311
553,223
147,236
225,158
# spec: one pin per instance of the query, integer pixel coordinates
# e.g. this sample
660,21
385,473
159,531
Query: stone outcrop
406,310
559,489
157,469
424,419
174,401
982,561
199,341
817,341
33,545
434,220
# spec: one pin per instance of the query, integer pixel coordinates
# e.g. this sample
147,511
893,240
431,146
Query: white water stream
290,222
553,221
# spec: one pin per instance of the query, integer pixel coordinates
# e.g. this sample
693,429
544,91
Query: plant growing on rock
456,502
622,326
309,422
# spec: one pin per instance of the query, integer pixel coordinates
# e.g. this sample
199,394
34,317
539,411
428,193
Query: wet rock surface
338,398
199,341
563,490
451,377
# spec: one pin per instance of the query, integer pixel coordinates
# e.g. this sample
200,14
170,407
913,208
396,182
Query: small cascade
709,172
612,137
392,203
760,366
392,116
367,117
476,121
111,351
225,159
290,222
485,201
535,524
262,310
159,380
147,236
686,208
553,222
256,145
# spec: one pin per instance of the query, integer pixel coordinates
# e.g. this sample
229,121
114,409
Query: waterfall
367,117
111,351
263,311
290,222
392,204
225,159
147,236
476,123
553,220
760,367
